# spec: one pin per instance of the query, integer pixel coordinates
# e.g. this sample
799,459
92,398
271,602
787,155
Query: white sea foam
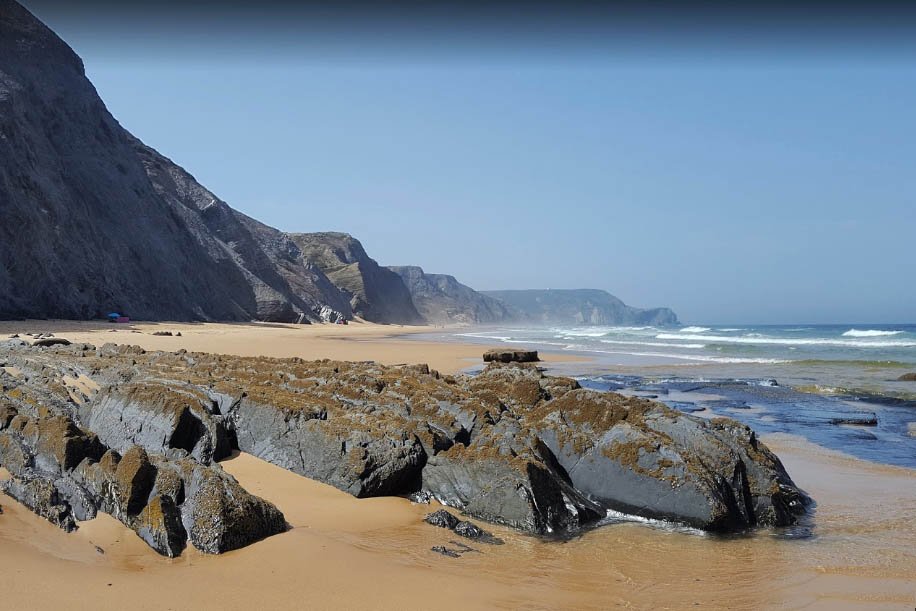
870,333
576,333
597,331
502,338
756,338
681,357
613,516
694,330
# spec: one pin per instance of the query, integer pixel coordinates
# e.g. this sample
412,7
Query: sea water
725,344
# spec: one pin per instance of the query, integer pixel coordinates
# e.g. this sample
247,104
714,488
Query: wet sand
375,553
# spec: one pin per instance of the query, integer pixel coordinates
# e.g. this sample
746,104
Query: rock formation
498,355
510,445
153,474
577,307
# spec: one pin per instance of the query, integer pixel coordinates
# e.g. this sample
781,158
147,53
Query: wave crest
870,333
756,338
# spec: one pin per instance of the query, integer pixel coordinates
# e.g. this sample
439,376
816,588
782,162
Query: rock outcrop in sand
510,445
499,355
65,475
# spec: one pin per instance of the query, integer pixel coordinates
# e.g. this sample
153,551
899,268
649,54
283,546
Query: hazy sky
733,173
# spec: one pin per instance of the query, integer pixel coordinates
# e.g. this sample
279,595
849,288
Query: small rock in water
14,336
867,419
178,334
444,519
907,377
441,549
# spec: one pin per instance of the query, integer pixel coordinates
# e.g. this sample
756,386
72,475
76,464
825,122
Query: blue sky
733,187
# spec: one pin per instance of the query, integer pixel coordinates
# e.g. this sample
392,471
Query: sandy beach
343,552
358,341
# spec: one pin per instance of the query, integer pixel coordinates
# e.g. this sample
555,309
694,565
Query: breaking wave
789,341
870,333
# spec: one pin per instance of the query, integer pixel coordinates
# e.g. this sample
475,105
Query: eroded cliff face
82,229
375,293
137,434
441,299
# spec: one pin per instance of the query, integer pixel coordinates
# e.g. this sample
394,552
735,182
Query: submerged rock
441,549
907,377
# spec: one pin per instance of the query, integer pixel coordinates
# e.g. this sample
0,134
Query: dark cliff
92,220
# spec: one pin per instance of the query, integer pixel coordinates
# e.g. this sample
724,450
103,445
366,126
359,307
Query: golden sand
352,553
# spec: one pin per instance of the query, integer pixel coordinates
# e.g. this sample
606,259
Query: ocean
882,345
834,385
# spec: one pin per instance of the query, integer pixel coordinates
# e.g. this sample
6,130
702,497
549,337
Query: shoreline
862,552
